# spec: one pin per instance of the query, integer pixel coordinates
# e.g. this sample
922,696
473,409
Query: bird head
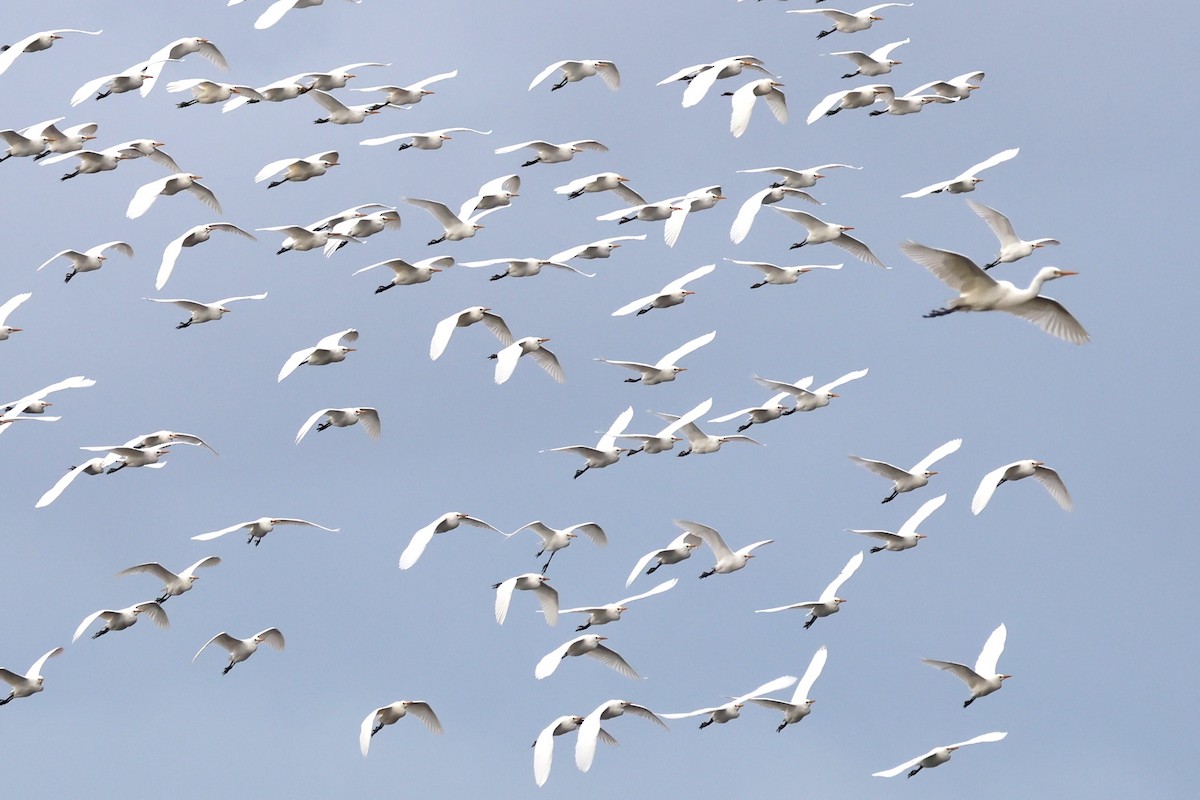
929,474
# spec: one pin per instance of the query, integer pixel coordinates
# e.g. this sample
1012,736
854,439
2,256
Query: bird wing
695,344
988,486
881,468
882,53
641,565
440,211
548,599
537,144
506,362
999,223
679,423
766,702
849,376
157,570
1053,484
91,87
699,712
543,752
1052,317
797,389
388,139
610,658
422,711
287,521
294,360
994,736
505,183
928,507
985,665
937,455
504,593
547,72
338,339
609,439
810,675
207,561
585,738
805,604
225,300
826,104
274,13
698,87
62,483
678,284
634,305
549,362
858,249
588,144
888,773
886,536
369,417
145,196
662,587
223,639
777,102
609,74
275,167
272,637
549,662
36,669
851,566
442,333
745,220
569,268
156,612
11,304
778,684
364,730
590,529
756,545
310,422
88,620
961,671
170,256
734,415
955,270
930,189
709,536
987,163
205,195
743,106
205,537
495,323
628,195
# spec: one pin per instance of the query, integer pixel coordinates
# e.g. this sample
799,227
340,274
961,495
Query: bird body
828,603
807,400
31,682
820,232
456,228
35,43
256,529
190,238
743,104
443,524
900,105
342,418
800,706
1012,247
727,559
374,722
329,350
173,585
586,645
1026,468
983,679
665,369
575,71
507,358
551,153
241,649
523,267
555,539
968,179
605,452
665,439
89,260
670,295
907,537
907,480
468,316
204,312
874,63
406,274
530,581
849,22
589,729
611,612
122,618
298,169
937,756
146,194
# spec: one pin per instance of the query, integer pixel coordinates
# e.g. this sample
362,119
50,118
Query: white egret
1026,468
769,411
820,232
800,705
241,649
31,682
701,77
206,92
611,612
843,100
129,80
648,212
695,200
278,8
421,140
400,96
298,169
146,194
555,539
983,679
550,153
907,536
173,584
10,305
589,730
1012,247
670,295
456,228
849,22
328,350
905,480
978,291
128,456
374,722
204,312
530,581
749,210
829,602
190,238
65,140
169,437
443,524
601,182
733,709
122,618
462,319
899,105
523,267
665,369
958,88
338,77
811,400
680,549
543,746
743,103
343,418
573,71
588,644
406,274
727,560
33,43
288,88
93,466
873,63
605,452
937,756
26,143
88,260
496,193
700,442
302,239
781,276
256,529
665,439
36,402
968,179
797,178
507,358
176,51
600,249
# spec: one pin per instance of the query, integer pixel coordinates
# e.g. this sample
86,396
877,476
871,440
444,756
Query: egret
937,756
256,529
374,722
829,602
983,679
1027,468
342,418
241,649
443,524
329,350
800,705
907,537
727,559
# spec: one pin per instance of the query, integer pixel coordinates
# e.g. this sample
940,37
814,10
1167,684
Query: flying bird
680,549
800,705
543,746
573,71
31,682
807,400
342,418
601,182
665,439
968,179
874,63
496,193
749,210
670,295
589,729
978,291
468,316
146,194
820,232
190,238
241,649
206,92
400,96
700,442
611,612
983,679
328,350
177,51
302,239
523,267
443,524
532,346
1047,477
937,756
278,8
204,312
781,276
129,80
797,178
849,22
743,104
89,260
733,709
122,618
727,560
905,480
298,169
829,602
898,105
173,584
421,140
606,451
1012,247
665,369
406,274
586,645
700,78
374,722
844,100
554,539
530,581
33,43
456,228
10,305
550,153
256,529
600,249
907,537
958,88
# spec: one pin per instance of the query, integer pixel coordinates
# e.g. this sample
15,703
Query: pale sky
1097,601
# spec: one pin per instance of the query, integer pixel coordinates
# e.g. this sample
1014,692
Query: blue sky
1094,600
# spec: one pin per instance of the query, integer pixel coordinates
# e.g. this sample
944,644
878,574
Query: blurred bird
31,682
531,581
743,104
122,618
586,645
810,400
554,539
89,260
33,43
728,560
298,169
665,369
680,549
6,310
543,746
733,709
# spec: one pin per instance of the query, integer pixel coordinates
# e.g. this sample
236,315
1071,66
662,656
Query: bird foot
849,74
70,275
579,472
68,176
183,325
642,311
756,285
376,729
683,453
832,111
914,772
623,220
743,427
939,312
8,699
989,266
99,633
273,184
103,95
876,113
383,288
781,727
798,244
496,277
185,104
320,121
705,724
632,380
583,627
38,157
404,147
573,195
324,425
890,497
281,251
436,241
968,702
226,670
559,85
531,163
809,623
704,575
163,599
823,34
877,549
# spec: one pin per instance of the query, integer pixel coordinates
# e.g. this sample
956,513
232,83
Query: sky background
1098,603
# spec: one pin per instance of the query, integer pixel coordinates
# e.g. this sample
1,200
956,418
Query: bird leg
183,324
583,627
377,106
915,771
985,266
632,380
226,670
70,275
8,699
377,729
644,310
877,549
968,702
756,285
383,288
320,121
798,244
560,84
164,598
280,251
623,220
185,104
634,452
705,724
579,472
438,240
324,425
808,623
833,111
747,425
939,312
273,184
117,468
823,34
404,146
498,277
891,496
683,453
99,633
573,195
850,75
531,163
706,574
546,566
6,157
782,725
69,175
656,566
877,112
103,95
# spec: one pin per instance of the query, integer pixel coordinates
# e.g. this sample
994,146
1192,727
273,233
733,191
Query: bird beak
834,394
1064,273
934,473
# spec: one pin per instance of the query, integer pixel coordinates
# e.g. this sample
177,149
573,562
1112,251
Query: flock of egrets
50,142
